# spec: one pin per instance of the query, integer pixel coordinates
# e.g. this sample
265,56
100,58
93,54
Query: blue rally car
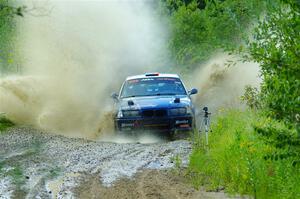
154,101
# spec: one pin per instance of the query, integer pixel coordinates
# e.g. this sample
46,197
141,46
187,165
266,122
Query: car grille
154,113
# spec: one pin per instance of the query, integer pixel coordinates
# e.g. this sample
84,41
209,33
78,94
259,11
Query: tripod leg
206,135
201,126
206,130
198,136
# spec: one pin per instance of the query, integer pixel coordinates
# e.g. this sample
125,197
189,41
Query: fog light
184,125
123,125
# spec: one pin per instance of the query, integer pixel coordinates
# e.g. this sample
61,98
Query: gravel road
35,164
52,165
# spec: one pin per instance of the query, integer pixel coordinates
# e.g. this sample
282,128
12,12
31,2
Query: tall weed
237,159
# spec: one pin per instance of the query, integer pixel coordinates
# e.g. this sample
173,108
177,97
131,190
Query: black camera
206,113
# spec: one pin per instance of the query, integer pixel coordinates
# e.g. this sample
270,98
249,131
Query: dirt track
35,164
147,184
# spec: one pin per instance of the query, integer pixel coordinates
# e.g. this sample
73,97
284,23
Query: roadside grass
54,172
177,161
5,123
237,159
17,176
13,168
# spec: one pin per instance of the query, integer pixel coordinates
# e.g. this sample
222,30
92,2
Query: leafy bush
199,28
251,97
238,159
8,35
285,140
5,123
276,47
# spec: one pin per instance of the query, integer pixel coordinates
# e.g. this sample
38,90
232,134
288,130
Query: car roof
149,75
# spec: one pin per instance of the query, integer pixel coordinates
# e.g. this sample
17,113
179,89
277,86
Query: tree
276,47
199,31
8,12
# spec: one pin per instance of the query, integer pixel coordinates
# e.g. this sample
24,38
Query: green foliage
177,160
251,97
7,34
201,28
54,172
173,5
276,47
178,169
285,140
238,159
5,123
15,172
17,175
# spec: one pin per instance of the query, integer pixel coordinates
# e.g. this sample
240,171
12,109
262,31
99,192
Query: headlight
178,111
120,114
131,113
189,111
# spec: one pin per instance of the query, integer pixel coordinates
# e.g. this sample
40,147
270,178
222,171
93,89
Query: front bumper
180,123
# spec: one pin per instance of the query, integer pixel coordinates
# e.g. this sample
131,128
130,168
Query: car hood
155,102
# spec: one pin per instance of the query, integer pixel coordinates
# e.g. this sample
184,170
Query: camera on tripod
206,113
205,123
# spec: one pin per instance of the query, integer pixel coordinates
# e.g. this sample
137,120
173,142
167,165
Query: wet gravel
53,165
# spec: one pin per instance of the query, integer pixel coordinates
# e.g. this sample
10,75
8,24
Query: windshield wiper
135,96
129,96
157,94
166,94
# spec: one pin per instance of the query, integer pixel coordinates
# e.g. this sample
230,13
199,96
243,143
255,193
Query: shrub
237,160
275,46
200,28
5,123
251,97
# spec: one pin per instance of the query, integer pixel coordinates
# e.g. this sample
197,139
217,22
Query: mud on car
155,102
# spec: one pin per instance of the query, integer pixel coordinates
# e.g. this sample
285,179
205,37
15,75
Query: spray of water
82,50
222,80
75,57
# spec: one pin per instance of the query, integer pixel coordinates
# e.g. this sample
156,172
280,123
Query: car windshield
152,87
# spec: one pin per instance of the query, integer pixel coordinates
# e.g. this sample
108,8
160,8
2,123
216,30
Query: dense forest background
263,143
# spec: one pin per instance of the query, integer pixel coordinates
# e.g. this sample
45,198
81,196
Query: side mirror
114,96
193,91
